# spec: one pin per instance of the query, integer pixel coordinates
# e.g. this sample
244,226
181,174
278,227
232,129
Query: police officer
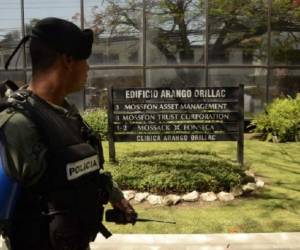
51,153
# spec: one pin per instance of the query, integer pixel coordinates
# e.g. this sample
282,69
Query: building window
176,43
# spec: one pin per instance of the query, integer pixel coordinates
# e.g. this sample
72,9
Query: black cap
64,37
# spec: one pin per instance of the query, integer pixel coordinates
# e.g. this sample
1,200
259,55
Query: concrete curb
264,241
267,241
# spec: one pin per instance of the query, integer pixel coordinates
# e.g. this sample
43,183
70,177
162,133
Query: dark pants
28,235
59,232
67,233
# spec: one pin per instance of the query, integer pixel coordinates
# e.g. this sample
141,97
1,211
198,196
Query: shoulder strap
52,127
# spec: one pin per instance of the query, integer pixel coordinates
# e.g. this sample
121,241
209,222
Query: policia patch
82,167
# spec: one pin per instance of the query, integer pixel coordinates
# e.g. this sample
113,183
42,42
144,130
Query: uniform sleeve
25,150
111,187
115,194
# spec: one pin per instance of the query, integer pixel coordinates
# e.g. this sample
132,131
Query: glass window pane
285,82
118,31
10,32
100,80
238,32
285,24
175,32
254,81
177,77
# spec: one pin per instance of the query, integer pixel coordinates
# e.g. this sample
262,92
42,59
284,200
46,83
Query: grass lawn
274,209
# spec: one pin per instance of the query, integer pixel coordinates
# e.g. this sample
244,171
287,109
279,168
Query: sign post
111,141
240,143
181,114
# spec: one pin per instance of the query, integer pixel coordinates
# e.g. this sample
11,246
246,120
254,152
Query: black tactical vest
72,182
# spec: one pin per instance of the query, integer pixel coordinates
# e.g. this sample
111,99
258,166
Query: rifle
119,217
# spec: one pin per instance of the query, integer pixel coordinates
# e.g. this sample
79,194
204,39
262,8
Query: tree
169,27
176,27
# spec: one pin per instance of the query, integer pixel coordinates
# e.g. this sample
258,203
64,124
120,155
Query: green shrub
178,171
97,120
281,120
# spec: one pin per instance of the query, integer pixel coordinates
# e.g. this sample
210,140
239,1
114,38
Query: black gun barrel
118,216
159,221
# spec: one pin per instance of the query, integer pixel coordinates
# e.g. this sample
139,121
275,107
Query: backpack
10,190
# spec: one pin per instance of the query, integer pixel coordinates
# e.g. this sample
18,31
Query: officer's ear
67,61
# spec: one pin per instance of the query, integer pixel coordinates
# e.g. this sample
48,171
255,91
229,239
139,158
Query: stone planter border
173,199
